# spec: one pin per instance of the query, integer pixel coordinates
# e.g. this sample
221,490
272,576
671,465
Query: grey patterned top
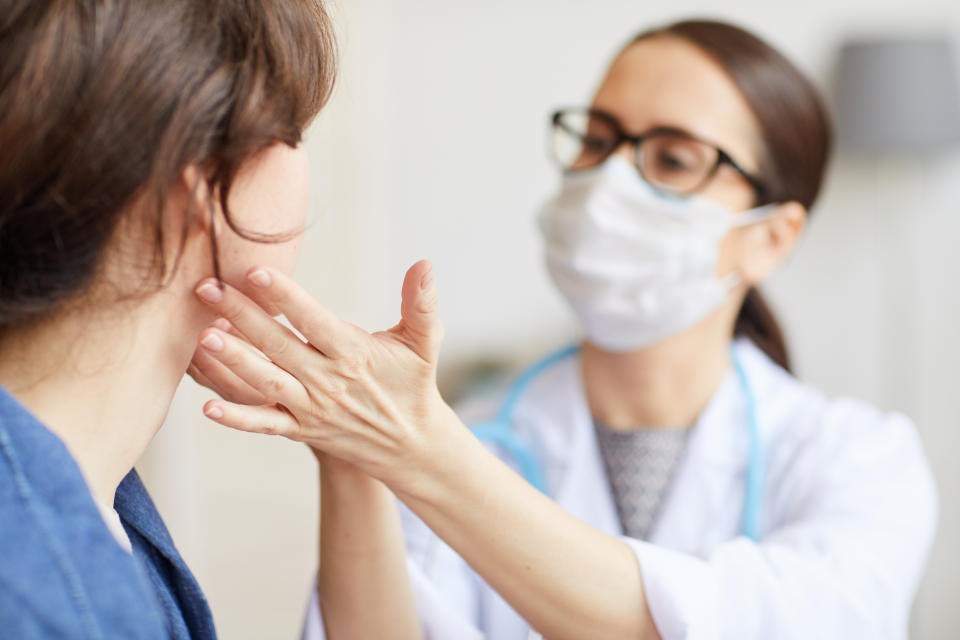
640,464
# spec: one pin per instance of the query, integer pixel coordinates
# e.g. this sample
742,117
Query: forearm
372,398
566,578
363,584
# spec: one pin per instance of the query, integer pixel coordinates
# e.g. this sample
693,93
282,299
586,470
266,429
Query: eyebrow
681,131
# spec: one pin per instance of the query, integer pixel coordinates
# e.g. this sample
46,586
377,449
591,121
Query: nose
626,150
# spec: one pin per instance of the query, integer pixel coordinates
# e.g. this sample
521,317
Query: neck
664,385
103,382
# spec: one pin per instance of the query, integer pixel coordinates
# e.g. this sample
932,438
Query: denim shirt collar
63,573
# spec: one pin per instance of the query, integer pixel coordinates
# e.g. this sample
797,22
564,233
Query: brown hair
104,103
796,136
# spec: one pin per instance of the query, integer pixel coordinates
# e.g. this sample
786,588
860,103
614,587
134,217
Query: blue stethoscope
500,432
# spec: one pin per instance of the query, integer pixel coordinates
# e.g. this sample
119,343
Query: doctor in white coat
667,478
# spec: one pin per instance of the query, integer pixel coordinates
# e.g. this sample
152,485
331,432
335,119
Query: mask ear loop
754,216
745,219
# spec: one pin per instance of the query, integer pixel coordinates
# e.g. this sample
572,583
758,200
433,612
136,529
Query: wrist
441,459
338,476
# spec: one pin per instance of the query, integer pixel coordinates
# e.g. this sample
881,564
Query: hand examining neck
371,400
667,384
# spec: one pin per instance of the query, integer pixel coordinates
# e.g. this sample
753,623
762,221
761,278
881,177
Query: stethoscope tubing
500,432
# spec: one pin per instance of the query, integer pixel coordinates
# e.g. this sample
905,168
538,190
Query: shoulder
62,571
35,599
838,444
793,409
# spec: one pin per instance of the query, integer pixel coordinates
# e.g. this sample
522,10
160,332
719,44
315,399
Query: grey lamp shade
896,95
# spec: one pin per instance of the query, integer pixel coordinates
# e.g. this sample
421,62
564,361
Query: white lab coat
848,516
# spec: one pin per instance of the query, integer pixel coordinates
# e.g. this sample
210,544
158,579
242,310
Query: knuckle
333,388
230,390
313,327
232,309
353,365
269,428
230,356
275,345
275,425
274,386
428,303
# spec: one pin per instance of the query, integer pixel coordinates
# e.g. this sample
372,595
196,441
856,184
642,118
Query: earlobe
785,226
769,243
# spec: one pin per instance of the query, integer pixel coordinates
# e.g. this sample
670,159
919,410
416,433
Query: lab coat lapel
705,500
704,503
583,490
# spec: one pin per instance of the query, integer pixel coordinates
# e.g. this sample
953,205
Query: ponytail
757,323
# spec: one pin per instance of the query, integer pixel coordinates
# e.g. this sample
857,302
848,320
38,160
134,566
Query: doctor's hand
208,372
368,399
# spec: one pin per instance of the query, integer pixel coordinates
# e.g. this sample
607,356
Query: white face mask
636,266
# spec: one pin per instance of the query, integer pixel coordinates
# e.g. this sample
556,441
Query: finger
201,379
224,325
265,419
264,376
420,324
266,334
322,328
211,373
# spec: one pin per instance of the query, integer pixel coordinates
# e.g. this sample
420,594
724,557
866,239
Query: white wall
433,146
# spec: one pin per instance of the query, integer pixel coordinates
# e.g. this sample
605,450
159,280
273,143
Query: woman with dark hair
146,144
689,485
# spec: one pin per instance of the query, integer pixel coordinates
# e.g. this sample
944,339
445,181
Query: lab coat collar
706,493
710,471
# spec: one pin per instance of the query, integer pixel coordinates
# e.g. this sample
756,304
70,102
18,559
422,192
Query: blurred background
434,146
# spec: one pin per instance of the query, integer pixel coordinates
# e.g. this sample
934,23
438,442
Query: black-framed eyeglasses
669,160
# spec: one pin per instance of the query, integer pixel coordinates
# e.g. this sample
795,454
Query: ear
198,201
765,245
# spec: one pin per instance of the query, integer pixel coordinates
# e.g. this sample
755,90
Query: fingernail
212,342
260,278
427,280
222,323
209,292
214,412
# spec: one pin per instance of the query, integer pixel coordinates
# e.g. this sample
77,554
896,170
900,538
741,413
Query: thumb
420,322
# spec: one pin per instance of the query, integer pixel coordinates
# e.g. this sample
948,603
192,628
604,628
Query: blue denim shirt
62,573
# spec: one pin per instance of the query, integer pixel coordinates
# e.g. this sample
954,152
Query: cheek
242,255
282,256
729,255
270,197
730,192
735,245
